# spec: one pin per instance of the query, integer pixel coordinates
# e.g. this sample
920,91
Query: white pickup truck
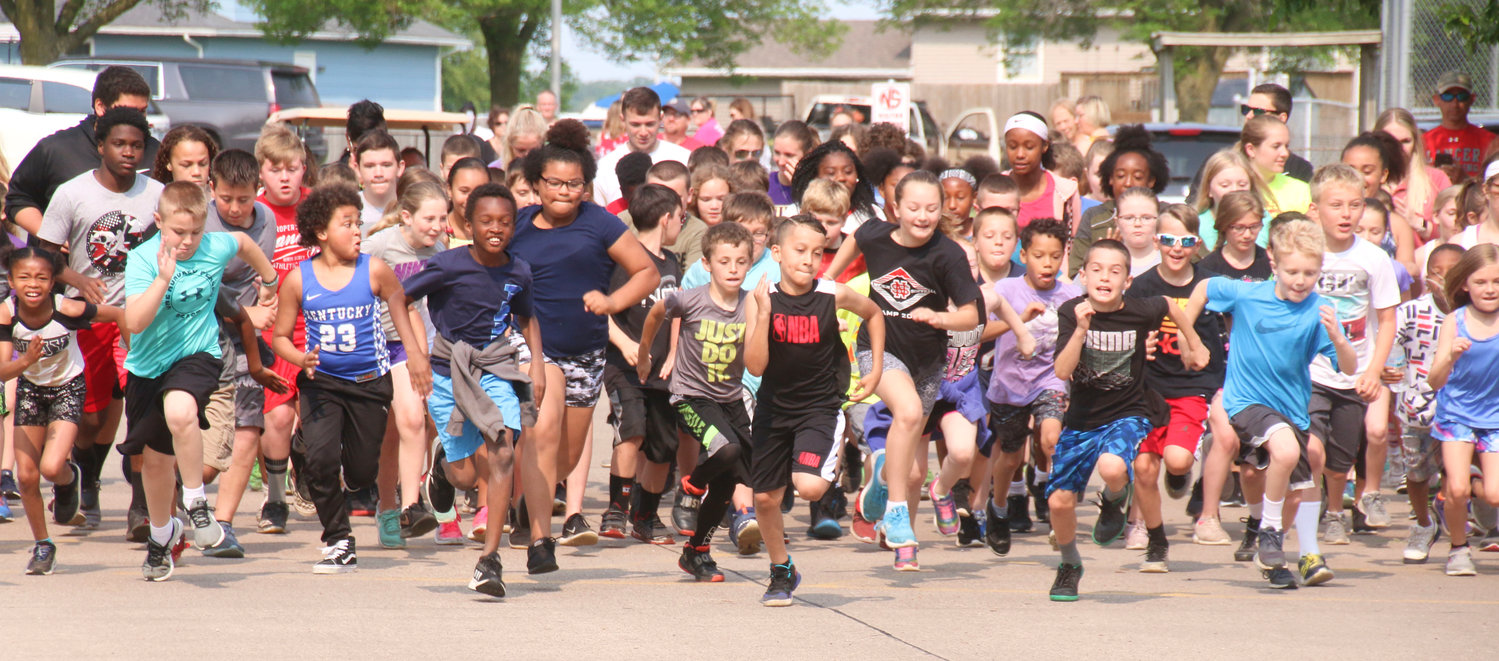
36,102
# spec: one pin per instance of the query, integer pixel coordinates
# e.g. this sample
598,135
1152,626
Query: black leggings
723,431
343,425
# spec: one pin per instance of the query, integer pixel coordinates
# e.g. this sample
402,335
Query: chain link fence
1418,50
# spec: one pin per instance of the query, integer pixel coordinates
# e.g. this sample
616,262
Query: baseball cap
676,104
1453,79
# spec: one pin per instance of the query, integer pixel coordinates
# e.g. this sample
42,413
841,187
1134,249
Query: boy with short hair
101,215
829,203
1358,280
1101,338
998,190
456,148
171,286
794,345
1279,326
706,383
377,159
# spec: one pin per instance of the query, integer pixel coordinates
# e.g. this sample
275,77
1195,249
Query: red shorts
103,366
1188,415
287,370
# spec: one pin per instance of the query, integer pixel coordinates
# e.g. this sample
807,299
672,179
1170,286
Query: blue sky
593,66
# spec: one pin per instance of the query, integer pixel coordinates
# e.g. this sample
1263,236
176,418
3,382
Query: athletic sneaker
1360,524
783,581
1064,588
864,529
697,561
228,547
895,529
559,500
874,496
1460,562
1135,537
66,497
541,557
684,509
1375,513
417,521
1335,530
1418,545
481,525
1176,485
89,507
1314,570
905,559
449,533
362,501
43,559
1490,542
1111,517
744,533
1271,553
339,558
206,531
1020,517
137,526
962,494
161,559
1155,557
435,486
8,488
388,523
945,511
1281,578
577,532
652,531
1251,540
5,513
612,524
257,481
997,535
272,519
1208,531
486,578
824,518
1194,501
970,531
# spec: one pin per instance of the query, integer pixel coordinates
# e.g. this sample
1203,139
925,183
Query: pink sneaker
905,559
449,534
481,525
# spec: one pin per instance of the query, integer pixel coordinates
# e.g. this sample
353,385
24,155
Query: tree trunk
507,35
1196,78
39,43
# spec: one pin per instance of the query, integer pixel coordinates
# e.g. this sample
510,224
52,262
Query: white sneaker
1335,529
1375,514
1135,537
1418,545
1460,562
1209,531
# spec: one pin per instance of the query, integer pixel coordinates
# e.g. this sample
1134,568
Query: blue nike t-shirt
1271,347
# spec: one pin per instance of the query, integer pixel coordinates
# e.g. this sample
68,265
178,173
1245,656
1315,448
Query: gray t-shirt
239,278
100,227
390,245
710,346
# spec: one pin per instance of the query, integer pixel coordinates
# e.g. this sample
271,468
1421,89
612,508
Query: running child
175,361
345,385
1101,338
798,426
42,328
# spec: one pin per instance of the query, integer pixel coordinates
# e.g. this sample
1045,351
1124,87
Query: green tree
713,32
48,31
1474,22
1197,69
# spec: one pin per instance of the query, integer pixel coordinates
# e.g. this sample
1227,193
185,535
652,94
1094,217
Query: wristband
275,277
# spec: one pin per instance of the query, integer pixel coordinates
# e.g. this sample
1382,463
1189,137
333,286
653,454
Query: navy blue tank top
345,325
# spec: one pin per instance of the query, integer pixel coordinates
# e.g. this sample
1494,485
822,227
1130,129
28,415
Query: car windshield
822,113
1185,153
293,90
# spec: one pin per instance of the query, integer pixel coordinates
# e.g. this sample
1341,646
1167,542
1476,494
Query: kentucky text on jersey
343,313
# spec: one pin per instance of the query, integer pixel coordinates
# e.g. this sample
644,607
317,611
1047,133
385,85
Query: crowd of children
375,338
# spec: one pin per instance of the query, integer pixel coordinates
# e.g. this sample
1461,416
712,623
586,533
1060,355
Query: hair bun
1132,137
569,134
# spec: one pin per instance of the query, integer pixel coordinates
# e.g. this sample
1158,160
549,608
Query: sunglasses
1461,97
1245,109
698,110
1172,240
748,154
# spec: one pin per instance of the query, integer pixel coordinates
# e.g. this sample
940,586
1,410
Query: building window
1020,62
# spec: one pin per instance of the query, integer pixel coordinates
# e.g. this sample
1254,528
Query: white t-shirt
100,227
1143,264
369,215
1356,282
606,183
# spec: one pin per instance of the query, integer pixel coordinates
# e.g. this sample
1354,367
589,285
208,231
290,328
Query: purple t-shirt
779,194
1019,382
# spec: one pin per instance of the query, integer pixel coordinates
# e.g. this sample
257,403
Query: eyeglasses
1136,220
748,154
1246,229
558,184
1461,97
1172,240
1246,109
698,110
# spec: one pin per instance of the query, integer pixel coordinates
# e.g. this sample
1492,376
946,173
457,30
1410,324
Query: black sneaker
997,533
272,519
652,531
1246,549
1176,485
783,581
541,557
962,497
89,506
1043,506
788,499
362,501
1194,501
66,497
43,559
417,521
697,561
1111,517
1065,587
612,524
1271,553
137,526
8,488
1281,578
1155,557
1020,517
339,558
823,525
970,532
520,527
684,512
1361,523
559,499
438,491
486,578
577,532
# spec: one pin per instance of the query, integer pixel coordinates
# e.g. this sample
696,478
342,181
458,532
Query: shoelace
44,552
200,516
338,548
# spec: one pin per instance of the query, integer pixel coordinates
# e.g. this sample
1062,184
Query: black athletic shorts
644,413
1338,419
794,441
1254,425
197,375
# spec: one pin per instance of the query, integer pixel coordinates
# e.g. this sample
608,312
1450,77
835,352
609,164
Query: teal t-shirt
185,324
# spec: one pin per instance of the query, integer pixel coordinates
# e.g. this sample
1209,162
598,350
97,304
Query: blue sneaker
873,496
784,580
228,547
896,529
745,533
5,513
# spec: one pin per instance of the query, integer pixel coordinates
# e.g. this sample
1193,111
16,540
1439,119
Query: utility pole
557,49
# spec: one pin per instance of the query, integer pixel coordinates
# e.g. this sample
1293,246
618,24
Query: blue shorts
1078,452
966,398
1483,440
440,405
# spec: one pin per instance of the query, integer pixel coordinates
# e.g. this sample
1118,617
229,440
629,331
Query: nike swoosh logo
1264,329
312,296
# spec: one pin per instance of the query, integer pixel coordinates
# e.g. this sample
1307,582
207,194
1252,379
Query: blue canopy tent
667,92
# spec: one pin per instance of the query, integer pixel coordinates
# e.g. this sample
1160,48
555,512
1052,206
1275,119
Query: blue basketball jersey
345,325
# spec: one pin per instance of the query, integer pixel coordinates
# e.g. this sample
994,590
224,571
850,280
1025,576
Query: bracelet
275,277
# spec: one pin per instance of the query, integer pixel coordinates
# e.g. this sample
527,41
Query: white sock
1257,510
1017,488
1307,518
162,535
1271,519
188,494
1042,476
893,506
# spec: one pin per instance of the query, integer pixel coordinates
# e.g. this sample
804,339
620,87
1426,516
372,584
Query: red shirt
1467,146
849,273
618,206
289,253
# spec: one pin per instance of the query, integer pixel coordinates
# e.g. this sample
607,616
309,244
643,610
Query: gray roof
147,19
865,45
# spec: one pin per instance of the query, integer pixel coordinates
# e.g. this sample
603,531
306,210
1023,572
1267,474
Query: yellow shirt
1288,194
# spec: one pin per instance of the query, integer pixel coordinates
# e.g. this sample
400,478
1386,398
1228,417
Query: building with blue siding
405,71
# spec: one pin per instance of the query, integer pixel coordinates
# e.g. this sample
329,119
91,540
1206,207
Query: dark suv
230,98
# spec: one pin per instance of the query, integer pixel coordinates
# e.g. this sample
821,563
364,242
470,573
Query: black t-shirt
1109,381
808,367
1167,374
902,279
1259,271
632,319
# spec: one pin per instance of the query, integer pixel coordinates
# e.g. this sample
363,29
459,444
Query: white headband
961,174
1029,123
1491,171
